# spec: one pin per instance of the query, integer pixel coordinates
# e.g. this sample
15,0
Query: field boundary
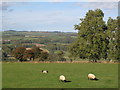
101,62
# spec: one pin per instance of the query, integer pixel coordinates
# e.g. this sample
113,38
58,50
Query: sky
54,15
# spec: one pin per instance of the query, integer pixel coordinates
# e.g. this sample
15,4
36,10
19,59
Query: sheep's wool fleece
91,76
62,77
44,71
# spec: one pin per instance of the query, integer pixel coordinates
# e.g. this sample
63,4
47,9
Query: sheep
44,71
63,79
92,77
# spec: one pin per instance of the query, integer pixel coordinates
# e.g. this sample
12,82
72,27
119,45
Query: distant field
28,75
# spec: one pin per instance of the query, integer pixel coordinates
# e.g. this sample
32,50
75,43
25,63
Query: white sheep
44,71
63,79
92,77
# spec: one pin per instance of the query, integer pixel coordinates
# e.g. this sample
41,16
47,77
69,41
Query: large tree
19,53
91,41
22,54
113,38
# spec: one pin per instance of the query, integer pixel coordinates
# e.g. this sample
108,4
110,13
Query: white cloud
102,0
4,6
59,19
61,0
56,0
101,5
62,20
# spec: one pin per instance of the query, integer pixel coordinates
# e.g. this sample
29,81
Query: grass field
28,75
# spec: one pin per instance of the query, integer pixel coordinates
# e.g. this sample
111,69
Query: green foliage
53,57
43,56
53,41
91,42
7,49
37,51
112,37
4,56
60,54
96,40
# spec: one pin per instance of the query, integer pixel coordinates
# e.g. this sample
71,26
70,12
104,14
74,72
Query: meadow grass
29,75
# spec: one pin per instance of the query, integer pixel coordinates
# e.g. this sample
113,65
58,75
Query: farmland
51,41
46,41
29,75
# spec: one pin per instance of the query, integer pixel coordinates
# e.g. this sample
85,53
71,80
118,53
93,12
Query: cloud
61,1
103,0
50,18
5,6
101,5
36,0
57,0
53,20
10,10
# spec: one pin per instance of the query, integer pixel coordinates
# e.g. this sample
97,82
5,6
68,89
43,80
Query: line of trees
22,54
31,54
96,39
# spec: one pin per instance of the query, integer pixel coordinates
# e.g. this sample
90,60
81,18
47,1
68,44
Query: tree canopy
94,35
22,54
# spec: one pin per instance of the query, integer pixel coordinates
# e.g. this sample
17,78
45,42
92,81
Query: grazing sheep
92,77
62,78
44,71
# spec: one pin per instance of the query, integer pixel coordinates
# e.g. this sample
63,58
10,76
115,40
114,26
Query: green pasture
29,75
